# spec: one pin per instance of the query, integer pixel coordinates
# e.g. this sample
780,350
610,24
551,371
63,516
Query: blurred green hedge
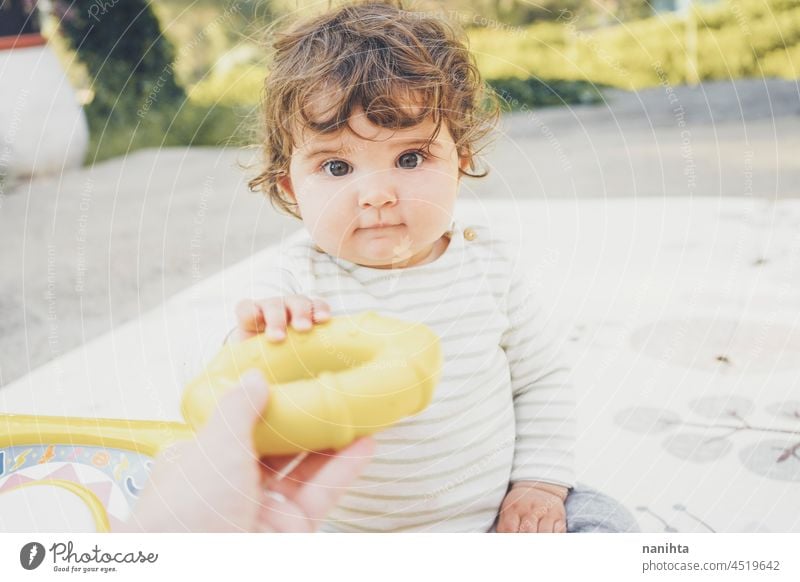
515,93
191,124
734,39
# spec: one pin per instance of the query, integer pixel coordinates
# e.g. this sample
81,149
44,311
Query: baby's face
377,202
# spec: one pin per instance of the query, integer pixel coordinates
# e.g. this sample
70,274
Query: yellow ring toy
347,378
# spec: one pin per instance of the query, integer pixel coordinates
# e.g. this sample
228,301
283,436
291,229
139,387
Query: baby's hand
532,507
272,315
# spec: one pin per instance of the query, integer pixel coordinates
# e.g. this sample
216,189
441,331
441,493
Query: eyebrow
408,141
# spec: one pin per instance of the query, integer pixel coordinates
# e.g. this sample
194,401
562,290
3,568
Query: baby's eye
337,168
410,160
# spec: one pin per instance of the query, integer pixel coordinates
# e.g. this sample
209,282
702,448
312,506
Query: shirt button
470,234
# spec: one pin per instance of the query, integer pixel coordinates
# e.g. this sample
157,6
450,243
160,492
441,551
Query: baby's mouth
380,226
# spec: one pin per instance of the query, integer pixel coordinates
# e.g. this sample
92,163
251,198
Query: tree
18,17
127,56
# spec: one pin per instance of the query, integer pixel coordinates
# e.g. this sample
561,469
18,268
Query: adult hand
217,483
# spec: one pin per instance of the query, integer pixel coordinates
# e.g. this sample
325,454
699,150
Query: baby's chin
383,254
377,258
381,257
391,248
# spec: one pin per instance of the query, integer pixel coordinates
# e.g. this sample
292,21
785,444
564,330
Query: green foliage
137,101
737,38
127,57
240,85
191,125
532,92
213,35
782,63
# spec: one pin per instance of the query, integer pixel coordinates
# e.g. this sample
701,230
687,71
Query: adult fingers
560,526
288,474
280,514
238,411
279,473
320,493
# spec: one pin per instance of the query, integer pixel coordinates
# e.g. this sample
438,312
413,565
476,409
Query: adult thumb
240,408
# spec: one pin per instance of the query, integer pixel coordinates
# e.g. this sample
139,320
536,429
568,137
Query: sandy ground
89,250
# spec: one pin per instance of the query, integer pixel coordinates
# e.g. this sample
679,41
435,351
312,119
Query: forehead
360,132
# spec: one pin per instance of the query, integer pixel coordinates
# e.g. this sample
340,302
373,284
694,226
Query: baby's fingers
299,308
508,522
274,311
530,524
320,311
250,317
547,525
275,314
304,312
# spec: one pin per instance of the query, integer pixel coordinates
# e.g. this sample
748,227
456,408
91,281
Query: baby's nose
377,196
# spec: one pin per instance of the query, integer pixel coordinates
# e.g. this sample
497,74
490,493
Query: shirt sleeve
544,401
275,277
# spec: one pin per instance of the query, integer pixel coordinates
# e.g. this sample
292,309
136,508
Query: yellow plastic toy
349,377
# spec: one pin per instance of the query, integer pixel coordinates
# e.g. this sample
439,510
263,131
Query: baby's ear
285,184
463,163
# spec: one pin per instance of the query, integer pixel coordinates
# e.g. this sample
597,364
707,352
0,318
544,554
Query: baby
373,115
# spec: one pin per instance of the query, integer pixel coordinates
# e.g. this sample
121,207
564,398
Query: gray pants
588,511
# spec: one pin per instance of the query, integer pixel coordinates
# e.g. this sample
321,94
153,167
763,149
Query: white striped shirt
503,410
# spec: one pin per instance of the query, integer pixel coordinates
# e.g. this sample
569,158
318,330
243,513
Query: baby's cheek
434,219
330,232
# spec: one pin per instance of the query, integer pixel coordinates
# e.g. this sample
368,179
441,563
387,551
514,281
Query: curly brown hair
373,55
